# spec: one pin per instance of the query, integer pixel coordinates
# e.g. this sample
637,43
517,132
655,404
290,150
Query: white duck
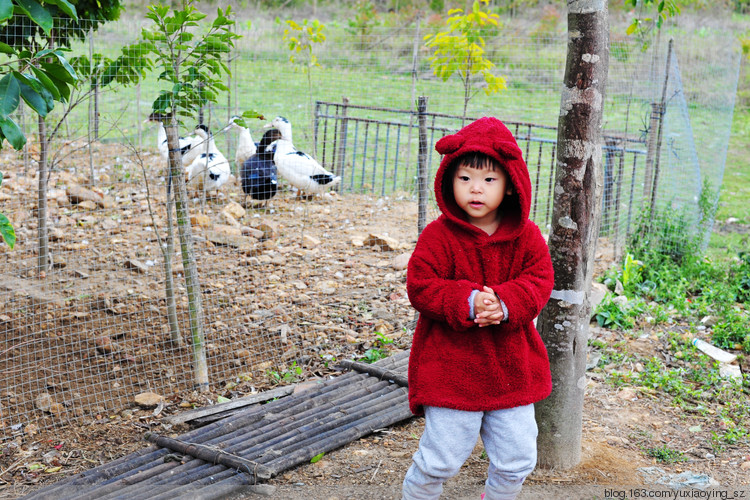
300,169
199,145
210,169
186,143
246,147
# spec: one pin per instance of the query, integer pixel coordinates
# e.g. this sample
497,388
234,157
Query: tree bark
168,253
576,218
195,300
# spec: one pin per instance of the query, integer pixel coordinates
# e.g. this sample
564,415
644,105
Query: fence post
422,165
654,138
662,113
341,150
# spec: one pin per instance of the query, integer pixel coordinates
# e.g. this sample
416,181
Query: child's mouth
475,204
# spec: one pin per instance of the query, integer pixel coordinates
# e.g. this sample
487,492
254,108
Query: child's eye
490,179
463,177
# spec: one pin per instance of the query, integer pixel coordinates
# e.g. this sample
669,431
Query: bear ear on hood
508,150
449,144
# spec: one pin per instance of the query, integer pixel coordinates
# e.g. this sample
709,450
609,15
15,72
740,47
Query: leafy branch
460,50
647,20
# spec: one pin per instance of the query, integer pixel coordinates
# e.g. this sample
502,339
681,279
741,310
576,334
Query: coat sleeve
526,294
431,290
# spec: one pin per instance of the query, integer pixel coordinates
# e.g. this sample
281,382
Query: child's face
479,193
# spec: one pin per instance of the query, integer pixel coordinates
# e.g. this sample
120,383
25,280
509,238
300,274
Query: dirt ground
619,424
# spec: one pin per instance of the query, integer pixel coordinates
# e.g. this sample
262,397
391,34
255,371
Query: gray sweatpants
509,438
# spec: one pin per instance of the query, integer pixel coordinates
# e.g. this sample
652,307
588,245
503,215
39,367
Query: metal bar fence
374,161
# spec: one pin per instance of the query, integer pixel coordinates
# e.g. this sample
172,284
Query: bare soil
619,424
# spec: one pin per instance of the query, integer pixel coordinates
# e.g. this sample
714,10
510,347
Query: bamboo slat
212,455
216,411
375,371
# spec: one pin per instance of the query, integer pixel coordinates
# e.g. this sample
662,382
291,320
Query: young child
478,276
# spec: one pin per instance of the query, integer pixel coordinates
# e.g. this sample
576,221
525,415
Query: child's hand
487,308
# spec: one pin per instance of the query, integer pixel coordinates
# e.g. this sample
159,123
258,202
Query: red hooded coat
454,363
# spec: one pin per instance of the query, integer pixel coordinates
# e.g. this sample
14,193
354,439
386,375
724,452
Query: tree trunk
168,253
195,302
44,260
576,217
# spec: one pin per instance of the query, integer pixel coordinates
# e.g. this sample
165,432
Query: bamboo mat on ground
253,444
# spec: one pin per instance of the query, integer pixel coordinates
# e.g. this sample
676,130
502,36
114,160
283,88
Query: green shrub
666,455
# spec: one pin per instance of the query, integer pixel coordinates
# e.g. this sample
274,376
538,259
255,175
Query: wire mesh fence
290,285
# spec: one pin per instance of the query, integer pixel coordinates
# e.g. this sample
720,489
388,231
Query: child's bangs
478,161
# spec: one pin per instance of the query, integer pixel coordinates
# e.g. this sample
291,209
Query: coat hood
489,136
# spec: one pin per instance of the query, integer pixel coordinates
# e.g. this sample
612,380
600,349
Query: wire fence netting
290,284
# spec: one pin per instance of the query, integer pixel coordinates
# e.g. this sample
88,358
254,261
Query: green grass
735,192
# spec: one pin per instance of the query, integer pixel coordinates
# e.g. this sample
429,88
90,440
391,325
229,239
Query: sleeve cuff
505,310
471,303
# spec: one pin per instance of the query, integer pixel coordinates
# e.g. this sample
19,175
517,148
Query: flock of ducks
259,164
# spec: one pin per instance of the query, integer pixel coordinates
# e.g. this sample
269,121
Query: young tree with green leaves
191,68
301,40
651,15
460,50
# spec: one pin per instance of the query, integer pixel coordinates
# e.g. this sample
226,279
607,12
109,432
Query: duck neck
162,137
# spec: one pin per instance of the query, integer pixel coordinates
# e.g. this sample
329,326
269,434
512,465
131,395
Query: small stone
270,230
136,265
709,321
104,344
56,234
627,394
310,241
620,300
200,220
229,219
234,210
87,205
251,231
43,402
78,195
56,408
148,399
400,262
228,229
598,291
384,243
745,465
